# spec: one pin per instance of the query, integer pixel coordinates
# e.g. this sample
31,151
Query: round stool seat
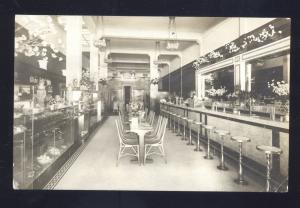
269,149
190,120
185,118
240,139
197,122
208,127
221,132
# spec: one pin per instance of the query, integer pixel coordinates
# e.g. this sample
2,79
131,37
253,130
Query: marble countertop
245,118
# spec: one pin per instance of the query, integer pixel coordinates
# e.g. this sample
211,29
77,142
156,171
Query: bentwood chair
155,145
129,145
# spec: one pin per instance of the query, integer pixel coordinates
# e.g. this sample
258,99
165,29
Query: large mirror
222,78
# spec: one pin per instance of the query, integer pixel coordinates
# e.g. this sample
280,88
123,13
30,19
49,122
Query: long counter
261,131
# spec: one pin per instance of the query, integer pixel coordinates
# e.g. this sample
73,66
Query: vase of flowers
282,93
134,107
216,95
233,97
52,103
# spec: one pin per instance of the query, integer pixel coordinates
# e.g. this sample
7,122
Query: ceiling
150,23
134,35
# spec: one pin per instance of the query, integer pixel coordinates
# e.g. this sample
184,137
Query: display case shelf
40,140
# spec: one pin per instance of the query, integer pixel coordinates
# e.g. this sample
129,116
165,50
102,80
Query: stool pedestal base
241,181
222,167
198,149
208,157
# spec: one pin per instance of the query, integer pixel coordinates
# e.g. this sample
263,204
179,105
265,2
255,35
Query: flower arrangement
85,82
100,43
135,107
216,93
234,47
215,55
103,81
33,45
51,101
154,81
163,100
280,89
232,96
200,60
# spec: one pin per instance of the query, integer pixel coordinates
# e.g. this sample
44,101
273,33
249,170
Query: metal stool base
208,157
198,150
241,181
222,167
190,143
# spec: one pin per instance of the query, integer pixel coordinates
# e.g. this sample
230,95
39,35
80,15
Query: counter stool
269,151
240,140
210,130
198,148
190,122
179,117
184,120
174,122
222,134
169,119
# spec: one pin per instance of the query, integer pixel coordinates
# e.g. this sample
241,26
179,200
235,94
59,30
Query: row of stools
222,134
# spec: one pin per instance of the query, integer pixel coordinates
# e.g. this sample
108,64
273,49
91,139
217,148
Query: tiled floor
186,170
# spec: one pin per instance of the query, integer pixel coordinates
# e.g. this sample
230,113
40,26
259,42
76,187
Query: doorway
127,95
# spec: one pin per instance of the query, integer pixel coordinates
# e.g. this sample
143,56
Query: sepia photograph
151,103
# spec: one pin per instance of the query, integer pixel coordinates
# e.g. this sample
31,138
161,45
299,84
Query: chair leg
138,154
119,154
145,154
163,153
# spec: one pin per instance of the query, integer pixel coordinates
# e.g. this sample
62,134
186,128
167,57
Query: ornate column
200,85
94,75
103,70
153,74
286,68
248,77
243,75
73,48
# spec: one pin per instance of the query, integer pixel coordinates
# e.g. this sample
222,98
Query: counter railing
278,132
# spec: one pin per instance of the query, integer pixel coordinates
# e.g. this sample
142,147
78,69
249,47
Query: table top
141,129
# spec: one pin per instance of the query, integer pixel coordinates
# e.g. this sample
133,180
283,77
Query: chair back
122,137
158,124
119,132
151,120
163,129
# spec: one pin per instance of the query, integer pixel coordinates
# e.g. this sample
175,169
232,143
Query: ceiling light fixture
172,43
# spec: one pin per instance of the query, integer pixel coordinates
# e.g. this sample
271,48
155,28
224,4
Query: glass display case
41,137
